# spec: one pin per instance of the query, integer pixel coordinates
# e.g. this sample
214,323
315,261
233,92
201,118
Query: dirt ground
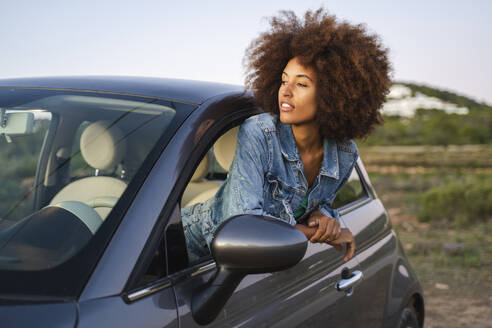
454,263
452,297
445,308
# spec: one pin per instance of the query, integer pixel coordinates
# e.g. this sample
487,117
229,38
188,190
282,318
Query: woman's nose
286,90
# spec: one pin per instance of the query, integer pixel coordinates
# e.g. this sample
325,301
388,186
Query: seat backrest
225,147
102,146
199,190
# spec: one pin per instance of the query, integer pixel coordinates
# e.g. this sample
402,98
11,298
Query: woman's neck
307,138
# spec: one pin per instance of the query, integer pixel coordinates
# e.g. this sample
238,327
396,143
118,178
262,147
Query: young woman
321,83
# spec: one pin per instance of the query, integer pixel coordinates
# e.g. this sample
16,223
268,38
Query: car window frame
368,196
133,290
228,123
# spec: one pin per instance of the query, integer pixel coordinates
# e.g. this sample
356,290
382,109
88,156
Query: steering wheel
104,201
83,212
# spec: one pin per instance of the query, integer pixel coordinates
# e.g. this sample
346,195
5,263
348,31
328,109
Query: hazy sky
446,44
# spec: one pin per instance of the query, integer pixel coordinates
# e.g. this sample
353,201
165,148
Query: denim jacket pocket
277,198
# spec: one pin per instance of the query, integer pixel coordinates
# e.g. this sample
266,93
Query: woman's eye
302,85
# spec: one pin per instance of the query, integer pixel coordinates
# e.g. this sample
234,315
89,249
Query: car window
209,176
61,181
206,180
79,168
352,191
19,154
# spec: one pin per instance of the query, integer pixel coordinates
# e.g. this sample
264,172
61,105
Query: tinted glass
67,159
19,155
352,191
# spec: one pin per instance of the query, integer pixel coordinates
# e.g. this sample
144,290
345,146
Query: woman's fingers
350,250
335,233
338,247
331,232
322,224
327,229
346,237
313,222
338,231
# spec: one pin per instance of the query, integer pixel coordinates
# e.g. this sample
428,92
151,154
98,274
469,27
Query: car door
365,216
304,295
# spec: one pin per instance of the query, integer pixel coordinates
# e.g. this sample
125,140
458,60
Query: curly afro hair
352,68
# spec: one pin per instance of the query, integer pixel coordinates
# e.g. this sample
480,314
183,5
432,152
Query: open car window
204,184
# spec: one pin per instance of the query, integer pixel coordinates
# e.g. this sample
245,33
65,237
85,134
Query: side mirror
242,245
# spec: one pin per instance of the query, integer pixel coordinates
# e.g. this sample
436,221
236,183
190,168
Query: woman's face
297,94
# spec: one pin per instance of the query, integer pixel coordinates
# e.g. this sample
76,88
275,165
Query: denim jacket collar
329,166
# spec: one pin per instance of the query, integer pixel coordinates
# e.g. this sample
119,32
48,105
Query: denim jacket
267,178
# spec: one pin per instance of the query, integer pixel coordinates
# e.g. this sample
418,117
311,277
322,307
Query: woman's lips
286,107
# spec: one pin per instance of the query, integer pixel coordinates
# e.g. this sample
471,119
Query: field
452,254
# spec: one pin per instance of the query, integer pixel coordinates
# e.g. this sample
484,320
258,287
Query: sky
443,44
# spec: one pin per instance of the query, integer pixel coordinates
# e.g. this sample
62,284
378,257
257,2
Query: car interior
87,150
103,148
212,170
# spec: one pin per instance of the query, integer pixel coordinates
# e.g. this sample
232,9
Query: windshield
67,158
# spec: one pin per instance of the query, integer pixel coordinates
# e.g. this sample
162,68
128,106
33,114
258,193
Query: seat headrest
102,145
225,147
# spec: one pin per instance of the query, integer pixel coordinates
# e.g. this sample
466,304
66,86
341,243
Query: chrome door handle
345,284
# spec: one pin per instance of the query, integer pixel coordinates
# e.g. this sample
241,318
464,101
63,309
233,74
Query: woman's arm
242,191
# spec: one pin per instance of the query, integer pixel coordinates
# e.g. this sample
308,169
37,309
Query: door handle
348,283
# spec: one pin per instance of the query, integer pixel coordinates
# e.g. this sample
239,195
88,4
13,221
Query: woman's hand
346,237
327,229
320,228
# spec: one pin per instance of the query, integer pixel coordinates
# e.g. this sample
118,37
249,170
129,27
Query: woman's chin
287,117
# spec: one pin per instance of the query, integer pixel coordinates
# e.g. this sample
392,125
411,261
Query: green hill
446,96
434,126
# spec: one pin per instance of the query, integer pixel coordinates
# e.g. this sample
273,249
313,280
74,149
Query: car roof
188,91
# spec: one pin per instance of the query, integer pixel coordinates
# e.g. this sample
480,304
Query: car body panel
158,310
55,315
303,295
187,91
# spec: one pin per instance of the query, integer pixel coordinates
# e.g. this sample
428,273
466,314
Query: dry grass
430,157
453,263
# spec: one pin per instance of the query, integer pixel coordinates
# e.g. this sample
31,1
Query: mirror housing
245,244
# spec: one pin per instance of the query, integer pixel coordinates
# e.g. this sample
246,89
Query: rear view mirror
16,123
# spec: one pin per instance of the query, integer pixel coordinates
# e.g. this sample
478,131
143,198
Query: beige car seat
102,146
224,148
197,185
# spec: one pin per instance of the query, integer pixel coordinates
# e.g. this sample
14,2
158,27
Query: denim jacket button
315,203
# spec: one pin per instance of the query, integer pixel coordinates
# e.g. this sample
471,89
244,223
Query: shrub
460,202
